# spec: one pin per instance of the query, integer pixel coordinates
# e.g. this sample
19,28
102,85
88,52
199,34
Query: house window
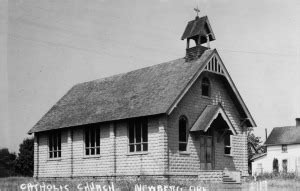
284,148
183,133
54,139
205,86
227,143
138,135
92,140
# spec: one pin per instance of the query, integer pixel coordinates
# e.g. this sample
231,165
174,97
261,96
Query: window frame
96,146
54,149
205,82
229,134
142,145
183,117
284,148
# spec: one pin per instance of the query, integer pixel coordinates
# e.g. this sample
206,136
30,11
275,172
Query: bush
276,175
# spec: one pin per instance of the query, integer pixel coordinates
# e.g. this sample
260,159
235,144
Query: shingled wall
114,160
163,158
192,105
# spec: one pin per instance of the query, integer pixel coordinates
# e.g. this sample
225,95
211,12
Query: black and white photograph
149,95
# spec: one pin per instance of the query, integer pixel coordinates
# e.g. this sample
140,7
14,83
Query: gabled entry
212,125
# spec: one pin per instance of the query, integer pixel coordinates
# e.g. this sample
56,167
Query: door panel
206,153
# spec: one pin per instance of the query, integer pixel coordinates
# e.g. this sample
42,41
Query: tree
254,146
24,162
7,160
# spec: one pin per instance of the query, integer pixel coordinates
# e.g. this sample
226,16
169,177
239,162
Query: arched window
205,86
183,136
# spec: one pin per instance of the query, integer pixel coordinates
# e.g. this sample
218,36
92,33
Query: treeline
17,165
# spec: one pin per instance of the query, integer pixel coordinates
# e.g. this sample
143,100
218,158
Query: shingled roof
147,91
284,135
198,26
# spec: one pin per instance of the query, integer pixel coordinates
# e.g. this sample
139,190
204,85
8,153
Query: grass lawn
14,183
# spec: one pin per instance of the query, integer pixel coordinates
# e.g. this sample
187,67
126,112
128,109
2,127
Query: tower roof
198,27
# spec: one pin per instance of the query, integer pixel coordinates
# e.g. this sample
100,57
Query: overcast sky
47,46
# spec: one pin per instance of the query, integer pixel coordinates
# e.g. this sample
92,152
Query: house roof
147,91
198,27
284,135
206,118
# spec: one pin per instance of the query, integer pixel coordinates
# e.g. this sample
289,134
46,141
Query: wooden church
180,119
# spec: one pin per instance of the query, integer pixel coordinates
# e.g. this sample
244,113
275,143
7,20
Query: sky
47,46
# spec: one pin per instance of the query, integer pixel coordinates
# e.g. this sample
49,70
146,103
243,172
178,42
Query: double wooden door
206,153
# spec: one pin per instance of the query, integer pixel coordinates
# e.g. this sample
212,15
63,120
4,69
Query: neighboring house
283,151
183,118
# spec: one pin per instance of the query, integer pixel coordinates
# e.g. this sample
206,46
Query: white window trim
95,147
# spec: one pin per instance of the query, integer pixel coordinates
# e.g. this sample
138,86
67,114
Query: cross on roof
197,10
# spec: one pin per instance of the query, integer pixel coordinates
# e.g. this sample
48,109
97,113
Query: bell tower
198,30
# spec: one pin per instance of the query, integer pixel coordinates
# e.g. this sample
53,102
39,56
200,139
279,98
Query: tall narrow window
92,140
205,86
54,140
227,143
138,135
183,133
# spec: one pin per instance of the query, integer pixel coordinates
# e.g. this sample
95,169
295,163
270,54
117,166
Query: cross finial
197,10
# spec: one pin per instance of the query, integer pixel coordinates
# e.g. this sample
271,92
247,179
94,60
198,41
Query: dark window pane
182,146
50,143
145,132
227,150
59,142
59,153
205,90
55,141
131,133
87,152
55,154
227,139
51,155
182,130
97,136
98,151
138,132
87,138
92,151
145,147
92,134
205,87
131,148
138,147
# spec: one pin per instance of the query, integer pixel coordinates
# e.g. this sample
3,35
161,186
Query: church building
180,119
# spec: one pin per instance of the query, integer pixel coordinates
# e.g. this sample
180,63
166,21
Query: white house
283,149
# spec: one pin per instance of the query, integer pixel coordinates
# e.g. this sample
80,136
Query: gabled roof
198,26
147,91
284,135
224,72
209,114
142,92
